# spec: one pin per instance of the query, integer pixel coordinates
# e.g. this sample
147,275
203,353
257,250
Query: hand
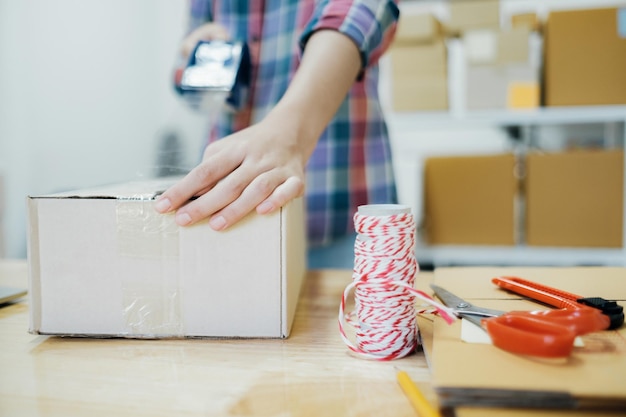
260,168
207,32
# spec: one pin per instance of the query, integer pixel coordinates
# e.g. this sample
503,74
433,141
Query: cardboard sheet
478,375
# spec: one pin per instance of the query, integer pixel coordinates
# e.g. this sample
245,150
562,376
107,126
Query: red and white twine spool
383,282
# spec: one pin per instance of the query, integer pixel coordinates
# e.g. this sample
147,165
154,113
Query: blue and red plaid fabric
351,164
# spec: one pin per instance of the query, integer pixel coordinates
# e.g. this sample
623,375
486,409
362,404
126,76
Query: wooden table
309,374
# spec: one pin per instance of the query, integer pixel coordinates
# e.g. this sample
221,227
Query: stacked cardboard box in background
529,21
419,65
501,67
575,57
471,15
471,200
585,57
500,73
575,198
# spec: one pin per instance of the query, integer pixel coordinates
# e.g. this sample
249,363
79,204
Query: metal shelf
441,255
541,116
520,255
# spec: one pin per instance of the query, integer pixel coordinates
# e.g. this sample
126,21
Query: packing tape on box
142,232
151,304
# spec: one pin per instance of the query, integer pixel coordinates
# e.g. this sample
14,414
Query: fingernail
163,205
183,219
264,207
217,223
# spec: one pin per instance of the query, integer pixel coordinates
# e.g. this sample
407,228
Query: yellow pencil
421,405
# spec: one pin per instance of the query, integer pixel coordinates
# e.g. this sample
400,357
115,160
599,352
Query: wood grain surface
310,374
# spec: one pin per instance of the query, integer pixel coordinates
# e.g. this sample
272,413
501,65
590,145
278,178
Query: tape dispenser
216,70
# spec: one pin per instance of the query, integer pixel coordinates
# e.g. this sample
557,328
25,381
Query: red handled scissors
545,333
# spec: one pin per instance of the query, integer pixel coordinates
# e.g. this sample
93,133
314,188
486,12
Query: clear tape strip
151,301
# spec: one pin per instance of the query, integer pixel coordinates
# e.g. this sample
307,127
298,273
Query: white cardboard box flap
103,262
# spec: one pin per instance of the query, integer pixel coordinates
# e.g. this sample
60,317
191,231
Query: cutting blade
462,307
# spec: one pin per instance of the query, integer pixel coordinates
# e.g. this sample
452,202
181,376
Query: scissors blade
449,299
462,307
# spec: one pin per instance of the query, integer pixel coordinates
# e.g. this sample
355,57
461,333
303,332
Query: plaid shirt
351,164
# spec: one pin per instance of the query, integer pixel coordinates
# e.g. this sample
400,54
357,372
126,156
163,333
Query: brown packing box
104,263
417,28
523,95
513,46
498,87
523,86
470,375
575,198
419,77
486,87
473,14
497,47
470,200
526,20
585,57
504,78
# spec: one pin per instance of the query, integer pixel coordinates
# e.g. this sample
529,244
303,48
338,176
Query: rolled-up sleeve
371,24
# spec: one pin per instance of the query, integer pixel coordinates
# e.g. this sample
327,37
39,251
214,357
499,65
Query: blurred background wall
86,98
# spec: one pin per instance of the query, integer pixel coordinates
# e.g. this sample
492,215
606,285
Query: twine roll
383,281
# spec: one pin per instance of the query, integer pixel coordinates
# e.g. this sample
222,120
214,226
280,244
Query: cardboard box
492,87
497,47
523,90
420,77
481,46
523,95
513,47
526,20
575,199
585,57
473,14
470,200
501,71
415,29
486,87
104,263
